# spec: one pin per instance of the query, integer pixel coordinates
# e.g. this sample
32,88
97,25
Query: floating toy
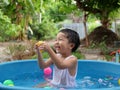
8,83
39,43
47,71
108,78
119,81
47,87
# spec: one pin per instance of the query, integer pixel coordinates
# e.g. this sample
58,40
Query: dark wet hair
73,37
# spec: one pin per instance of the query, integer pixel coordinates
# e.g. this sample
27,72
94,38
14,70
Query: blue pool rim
3,87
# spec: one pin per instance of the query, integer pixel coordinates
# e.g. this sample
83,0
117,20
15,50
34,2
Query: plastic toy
47,71
39,43
8,83
119,81
47,87
116,54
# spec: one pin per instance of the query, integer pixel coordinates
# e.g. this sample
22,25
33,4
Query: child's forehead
60,34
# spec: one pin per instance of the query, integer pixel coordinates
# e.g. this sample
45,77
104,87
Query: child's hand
42,46
39,46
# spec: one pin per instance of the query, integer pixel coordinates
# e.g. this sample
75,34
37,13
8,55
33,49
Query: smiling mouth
57,47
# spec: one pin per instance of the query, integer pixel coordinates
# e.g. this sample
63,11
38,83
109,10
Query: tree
58,10
8,30
21,12
102,9
24,12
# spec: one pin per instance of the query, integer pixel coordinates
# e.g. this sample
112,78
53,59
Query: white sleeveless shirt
62,77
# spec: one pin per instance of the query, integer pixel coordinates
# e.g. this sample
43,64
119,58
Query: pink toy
47,71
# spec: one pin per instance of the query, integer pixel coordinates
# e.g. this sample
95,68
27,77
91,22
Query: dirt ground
5,57
3,50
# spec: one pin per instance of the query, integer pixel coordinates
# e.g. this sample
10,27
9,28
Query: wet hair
73,37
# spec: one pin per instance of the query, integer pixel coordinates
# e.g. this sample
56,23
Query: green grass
79,55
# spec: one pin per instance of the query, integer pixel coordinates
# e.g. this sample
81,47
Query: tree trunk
105,22
85,28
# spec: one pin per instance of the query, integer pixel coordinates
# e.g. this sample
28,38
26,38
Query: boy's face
62,44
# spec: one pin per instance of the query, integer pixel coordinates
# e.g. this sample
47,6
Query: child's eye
60,39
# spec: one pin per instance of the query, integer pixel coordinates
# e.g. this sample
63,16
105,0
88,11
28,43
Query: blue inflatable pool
92,75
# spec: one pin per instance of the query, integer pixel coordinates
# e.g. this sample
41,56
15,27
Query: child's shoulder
71,56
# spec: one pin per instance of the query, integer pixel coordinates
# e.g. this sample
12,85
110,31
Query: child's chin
57,51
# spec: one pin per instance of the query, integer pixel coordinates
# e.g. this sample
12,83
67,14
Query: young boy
64,63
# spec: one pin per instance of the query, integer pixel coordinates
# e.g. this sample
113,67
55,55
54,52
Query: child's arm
43,64
60,62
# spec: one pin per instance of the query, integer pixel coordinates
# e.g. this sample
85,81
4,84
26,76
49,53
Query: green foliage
115,14
103,47
104,50
45,30
25,12
45,55
8,30
102,9
58,10
20,12
92,23
79,55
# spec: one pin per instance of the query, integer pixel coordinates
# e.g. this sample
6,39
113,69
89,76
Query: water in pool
29,79
95,81
99,80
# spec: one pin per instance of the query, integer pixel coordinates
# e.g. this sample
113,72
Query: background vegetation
43,17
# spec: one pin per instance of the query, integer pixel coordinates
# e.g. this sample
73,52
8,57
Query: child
64,63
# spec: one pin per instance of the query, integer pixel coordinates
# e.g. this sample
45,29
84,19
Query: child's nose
56,41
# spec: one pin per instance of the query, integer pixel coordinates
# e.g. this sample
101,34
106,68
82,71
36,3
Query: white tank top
62,77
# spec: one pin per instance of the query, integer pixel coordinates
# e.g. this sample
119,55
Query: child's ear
72,45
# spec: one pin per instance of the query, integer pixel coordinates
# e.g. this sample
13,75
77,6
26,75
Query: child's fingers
39,43
41,47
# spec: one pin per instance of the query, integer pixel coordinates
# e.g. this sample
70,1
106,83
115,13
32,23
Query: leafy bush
79,55
104,49
7,29
45,30
45,55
